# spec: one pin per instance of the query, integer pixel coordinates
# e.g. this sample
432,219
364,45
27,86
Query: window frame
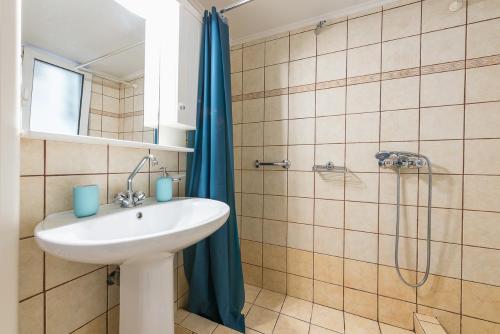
30,54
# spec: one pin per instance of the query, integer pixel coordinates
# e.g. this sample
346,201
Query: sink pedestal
147,295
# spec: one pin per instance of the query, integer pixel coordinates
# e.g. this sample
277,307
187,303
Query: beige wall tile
472,326
396,312
328,268
330,129
483,39
446,224
299,262
329,186
301,210
277,51
59,271
249,155
32,204
364,60
363,98
436,15
365,30
301,131
443,46
30,268
300,236
330,295
390,285
360,303
253,110
360,275
236,60
328,241
291,325
445,260
362,127
275,133
361,246
274,280
302,72
73,304
270,300
332,38
482,10
275,207
482,85
96,326
274,153
442,88
329,213
330,101
297,308
446,191
331,66
251,252
32,157
252,181
118,183
236,83
481,265
329,152
252,205
253,56
399,125
275,183
328,318
276,108
276,76
401,22
449,321
274,257
252,134
275,232
364,188
401,54
125,159
407,252
302,45
481,229
360,157
440,292
478,157
361,216
482,120
30,316
480,192
447,155
302,157
408,220
301,105
441,123
480,300
400,93
253,81
251,228
252,274
299,287
409,185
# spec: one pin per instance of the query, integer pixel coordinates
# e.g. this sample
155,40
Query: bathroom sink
115,234
142,240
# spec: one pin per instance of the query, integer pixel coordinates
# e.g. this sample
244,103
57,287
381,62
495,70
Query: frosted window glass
56,99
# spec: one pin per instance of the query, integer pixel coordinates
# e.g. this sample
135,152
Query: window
55,96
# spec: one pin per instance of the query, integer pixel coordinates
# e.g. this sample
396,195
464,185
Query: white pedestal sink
143,241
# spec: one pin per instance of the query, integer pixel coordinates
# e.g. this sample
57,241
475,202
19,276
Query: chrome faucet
132,198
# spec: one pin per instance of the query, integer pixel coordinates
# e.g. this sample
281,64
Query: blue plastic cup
86,200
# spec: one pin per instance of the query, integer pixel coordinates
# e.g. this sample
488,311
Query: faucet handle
122,199
139,196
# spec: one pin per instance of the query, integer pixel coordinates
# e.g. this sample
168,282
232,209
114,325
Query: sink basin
142,240
115,234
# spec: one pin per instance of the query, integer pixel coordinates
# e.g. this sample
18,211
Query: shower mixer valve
388,159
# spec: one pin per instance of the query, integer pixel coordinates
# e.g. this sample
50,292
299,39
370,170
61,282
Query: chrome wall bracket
284,164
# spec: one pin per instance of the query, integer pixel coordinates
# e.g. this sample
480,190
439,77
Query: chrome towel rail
284,164
329,167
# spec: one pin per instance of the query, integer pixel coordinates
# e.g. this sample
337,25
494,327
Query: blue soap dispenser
164,187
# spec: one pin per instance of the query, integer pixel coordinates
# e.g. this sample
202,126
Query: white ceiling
257,18
81,30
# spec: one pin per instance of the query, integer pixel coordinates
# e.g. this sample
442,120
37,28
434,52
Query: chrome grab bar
329,167
284,164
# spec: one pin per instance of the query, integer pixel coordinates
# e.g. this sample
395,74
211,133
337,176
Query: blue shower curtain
213,266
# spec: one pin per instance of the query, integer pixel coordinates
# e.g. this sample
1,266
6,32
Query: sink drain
139,215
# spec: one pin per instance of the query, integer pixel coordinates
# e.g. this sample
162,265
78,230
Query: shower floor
268,312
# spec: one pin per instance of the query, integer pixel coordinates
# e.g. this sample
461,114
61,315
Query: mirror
83,69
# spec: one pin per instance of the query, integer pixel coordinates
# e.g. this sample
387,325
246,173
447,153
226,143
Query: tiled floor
268,312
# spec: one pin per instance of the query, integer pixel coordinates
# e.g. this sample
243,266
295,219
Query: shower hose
429,223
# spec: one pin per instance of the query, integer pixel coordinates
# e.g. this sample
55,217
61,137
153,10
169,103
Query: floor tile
251,293
388,329
261,319
289,325
320,330
359,325
297,308
198,324
328,318
225,330
271,300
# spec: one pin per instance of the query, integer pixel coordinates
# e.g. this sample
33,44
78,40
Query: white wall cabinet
173,43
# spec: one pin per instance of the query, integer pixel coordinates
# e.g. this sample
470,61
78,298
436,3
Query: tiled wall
57,296
410,76
117,111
